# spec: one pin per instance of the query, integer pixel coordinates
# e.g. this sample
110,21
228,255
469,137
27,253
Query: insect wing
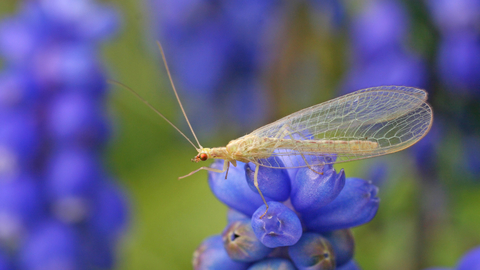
366,123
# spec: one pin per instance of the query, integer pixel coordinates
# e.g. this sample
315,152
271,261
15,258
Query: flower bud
355,205
273,264
312,190
211,255
312,252
234,191
241,243
279,227
274,183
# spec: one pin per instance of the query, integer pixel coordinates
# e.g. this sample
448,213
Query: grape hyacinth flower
470,261
379,55
59,208
219,51
307,225
458,59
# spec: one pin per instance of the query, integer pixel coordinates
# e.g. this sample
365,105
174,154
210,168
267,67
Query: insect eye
203,156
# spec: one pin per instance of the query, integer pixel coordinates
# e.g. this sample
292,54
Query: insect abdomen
325,146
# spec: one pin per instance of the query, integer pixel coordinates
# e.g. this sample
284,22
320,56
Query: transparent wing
366,123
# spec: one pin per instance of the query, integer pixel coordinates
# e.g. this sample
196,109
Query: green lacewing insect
367,123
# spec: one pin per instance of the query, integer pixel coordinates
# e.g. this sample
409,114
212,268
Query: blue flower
356,204
273,263
380,26
278,227
459,62
319,205
470,261
451,16
235,192
52,245
211,255
217,52
380,56
59,208
312,252
241,243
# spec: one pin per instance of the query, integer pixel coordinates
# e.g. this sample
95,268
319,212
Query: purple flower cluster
306,226
59,209
457,64
380,56
458,59
470,261
218,52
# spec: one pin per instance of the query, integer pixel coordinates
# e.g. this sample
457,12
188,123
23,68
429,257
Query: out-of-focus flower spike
312,252
279,227
5,263
72,177
21,205
109,214
53,245
77,119
17,41
355,205
379,27
471,260
459,62
16,91
19,141
211,255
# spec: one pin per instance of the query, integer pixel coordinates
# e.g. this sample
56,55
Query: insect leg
225,167
228,167
255,182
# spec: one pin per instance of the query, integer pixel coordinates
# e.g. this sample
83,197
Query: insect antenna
175,91
151,107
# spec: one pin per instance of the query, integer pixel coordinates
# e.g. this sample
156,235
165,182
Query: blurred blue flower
380,56
59,209
53,245
459,62
451,16
379,27
426,151
218,52
469,261
471,156
327,203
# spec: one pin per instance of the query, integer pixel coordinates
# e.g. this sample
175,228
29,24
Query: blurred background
237,65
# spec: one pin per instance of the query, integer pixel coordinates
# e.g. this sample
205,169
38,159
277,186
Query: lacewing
363,124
